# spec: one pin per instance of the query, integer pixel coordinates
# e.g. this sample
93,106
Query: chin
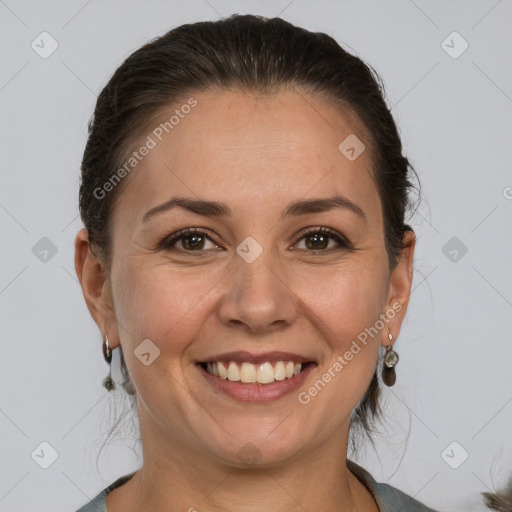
253,448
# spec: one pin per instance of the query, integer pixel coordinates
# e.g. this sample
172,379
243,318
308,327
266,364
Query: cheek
344,305
345,301
169,309
161,304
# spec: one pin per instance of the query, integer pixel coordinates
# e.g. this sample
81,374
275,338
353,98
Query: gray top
388,498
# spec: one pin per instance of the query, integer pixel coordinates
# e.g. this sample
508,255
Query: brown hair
253,54
499,501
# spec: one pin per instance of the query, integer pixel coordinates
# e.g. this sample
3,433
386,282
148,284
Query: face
262,275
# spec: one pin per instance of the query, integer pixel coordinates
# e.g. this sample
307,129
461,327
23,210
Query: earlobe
400,284
93,278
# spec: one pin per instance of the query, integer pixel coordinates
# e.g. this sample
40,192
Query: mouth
255,378
266,372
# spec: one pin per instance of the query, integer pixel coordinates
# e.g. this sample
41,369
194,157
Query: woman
243,194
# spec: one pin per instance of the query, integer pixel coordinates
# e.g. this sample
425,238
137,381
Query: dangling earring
390,360
107,354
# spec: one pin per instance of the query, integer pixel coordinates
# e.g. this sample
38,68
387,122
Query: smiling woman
257,254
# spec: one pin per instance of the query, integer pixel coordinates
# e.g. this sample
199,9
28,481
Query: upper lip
244,356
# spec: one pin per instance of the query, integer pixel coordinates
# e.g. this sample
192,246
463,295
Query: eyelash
168,242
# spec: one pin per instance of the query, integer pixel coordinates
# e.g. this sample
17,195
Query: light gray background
454,376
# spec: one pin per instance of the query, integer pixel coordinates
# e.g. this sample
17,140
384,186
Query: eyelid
343,243
171,239
340,239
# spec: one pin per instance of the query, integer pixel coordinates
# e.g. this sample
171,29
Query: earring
107,354
390,360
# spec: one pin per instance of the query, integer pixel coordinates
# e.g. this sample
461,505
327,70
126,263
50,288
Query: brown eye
190,241
322,239
317,241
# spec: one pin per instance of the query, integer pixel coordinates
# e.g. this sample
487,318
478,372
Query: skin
257,154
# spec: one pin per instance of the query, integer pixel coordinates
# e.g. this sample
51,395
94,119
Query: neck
179,477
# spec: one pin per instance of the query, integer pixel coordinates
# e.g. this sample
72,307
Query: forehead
242,148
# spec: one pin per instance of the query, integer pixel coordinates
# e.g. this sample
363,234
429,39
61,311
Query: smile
266,372
250,377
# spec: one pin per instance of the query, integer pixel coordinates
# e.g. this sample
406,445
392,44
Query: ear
399,290
95,283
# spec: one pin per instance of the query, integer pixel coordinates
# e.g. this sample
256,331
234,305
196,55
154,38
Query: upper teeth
263,373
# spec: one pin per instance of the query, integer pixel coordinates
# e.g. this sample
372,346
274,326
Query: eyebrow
216,209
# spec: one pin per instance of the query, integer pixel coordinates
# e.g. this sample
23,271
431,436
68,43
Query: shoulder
388,498
99,502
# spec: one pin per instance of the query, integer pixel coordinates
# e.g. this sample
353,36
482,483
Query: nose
258,299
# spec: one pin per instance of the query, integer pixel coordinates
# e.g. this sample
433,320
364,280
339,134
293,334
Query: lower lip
257,392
